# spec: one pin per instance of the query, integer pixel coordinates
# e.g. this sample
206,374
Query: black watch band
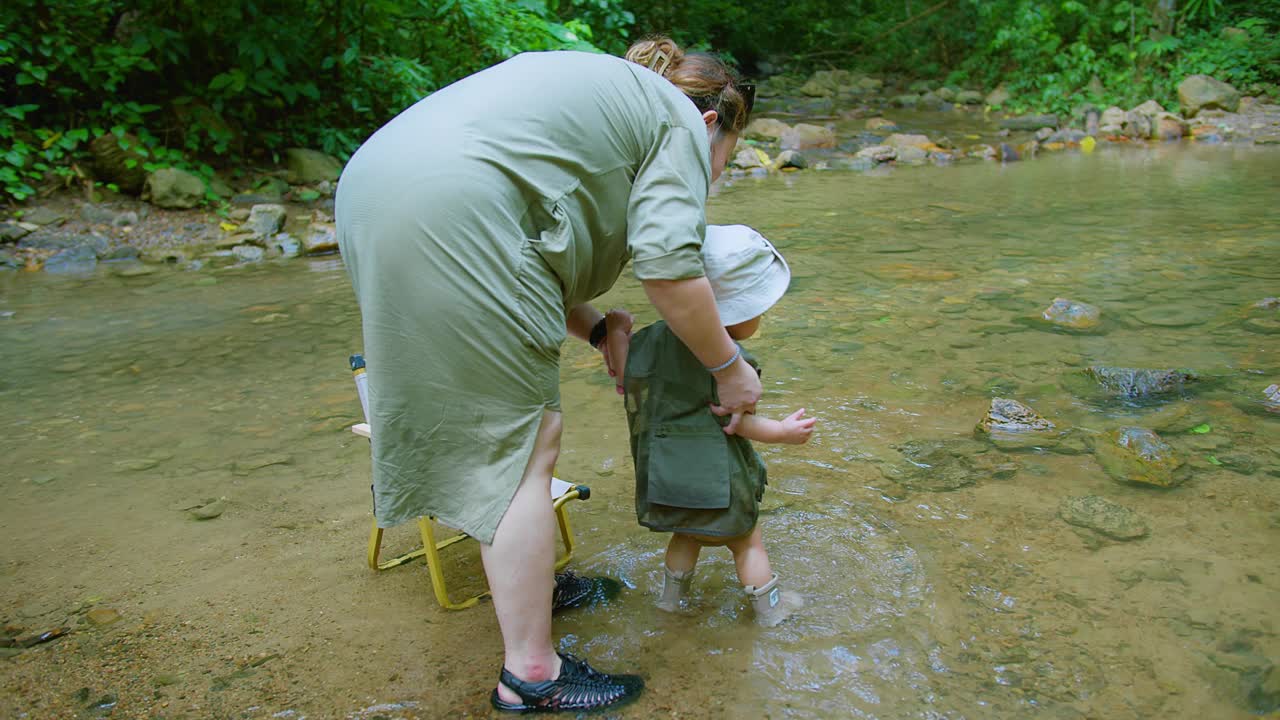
597,333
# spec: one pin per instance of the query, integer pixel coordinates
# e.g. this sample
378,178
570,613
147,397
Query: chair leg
432,551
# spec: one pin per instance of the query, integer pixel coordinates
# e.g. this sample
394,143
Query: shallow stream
128,400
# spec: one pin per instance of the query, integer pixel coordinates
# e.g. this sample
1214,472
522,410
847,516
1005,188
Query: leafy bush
198,81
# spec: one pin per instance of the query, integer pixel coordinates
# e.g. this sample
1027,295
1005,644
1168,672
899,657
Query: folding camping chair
561,493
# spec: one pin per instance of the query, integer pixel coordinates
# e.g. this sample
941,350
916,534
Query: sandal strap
579,687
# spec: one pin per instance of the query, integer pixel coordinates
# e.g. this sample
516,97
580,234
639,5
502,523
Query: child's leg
682,553
682,556
770,603
751,558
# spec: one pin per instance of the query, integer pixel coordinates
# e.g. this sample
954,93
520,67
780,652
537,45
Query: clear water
127,400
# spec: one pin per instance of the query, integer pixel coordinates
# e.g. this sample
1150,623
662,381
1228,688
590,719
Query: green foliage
198,81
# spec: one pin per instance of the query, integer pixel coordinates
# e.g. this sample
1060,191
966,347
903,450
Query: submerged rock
1072,315
1271,398
1138,455
943,465
1137,383
1103,516
1010,425
879,123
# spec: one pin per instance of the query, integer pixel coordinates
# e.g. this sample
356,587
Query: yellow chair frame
561,493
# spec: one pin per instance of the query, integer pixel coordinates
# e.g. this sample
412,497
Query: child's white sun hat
747,273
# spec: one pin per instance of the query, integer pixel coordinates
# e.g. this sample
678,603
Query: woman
476,226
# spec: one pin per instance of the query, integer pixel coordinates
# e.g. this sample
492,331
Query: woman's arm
689,307
794,430
580,319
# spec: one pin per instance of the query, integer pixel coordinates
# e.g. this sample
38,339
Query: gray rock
947,94
310,166
749,157
900,141
79,260
938,466
1138,455
1030,122
12,232
969,97
1103,516
1044,133
97,214
878,153
766,129
912,155
1072,315
248,253
998,97
9,260
1137,382
321,238
209,511
123,166
265,220
287,245
43,216
121,253
1010,425
1199,92
173,188
125,219
1238,463
1113,117
791,159
806,137
1068,135
906,101
930,101
238,215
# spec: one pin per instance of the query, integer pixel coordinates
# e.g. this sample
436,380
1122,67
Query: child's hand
796,429
618,324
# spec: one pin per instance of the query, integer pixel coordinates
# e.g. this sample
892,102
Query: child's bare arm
617,342
795,429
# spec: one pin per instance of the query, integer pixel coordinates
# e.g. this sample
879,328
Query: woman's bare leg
520,565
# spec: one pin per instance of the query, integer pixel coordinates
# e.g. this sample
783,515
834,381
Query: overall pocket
689,469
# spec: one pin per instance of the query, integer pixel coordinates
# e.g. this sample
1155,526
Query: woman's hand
617,340
738,387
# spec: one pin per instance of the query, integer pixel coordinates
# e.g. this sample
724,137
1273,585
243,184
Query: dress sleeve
666,213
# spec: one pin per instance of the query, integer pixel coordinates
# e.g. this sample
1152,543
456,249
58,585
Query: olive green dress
690,476
469,224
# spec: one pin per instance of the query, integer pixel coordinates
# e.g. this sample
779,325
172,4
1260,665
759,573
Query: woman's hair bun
659,53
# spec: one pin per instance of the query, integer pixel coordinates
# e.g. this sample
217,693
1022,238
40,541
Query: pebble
101,616
210,511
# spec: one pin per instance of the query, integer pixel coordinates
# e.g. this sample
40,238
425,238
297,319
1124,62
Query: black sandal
574,590
578,689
